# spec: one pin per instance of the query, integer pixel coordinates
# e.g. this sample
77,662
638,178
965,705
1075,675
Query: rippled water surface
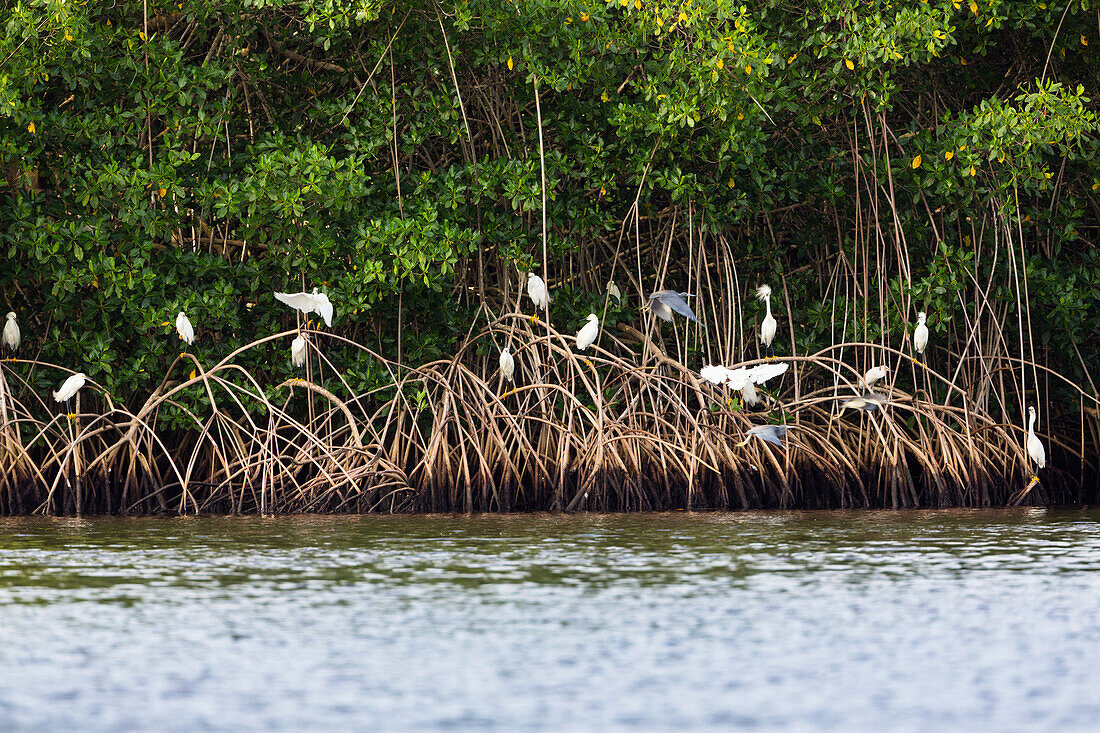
868,621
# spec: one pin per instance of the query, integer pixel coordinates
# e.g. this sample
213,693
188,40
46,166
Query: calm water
796,621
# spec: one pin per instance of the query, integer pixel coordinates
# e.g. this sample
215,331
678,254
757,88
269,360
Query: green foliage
248,146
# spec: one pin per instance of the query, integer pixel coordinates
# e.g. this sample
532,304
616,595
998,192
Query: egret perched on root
69,388
767,326
920,336
307,303
184,328
588,333
874,374
298,351
773,434
664,303
536,291
10,338
1035,448
507,363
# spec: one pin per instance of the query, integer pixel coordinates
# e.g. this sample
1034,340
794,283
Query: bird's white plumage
69,387
614,292
11,335
184,328
536,291
660,309
298,351
307,303
920,334
874,374
767,326
507,363
763,372
749,394
715,374
588,333
738,378
1035,446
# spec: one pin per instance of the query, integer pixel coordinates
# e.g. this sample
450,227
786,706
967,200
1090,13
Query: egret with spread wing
307,303
664,303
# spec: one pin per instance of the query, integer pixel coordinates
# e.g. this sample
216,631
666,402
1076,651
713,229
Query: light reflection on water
852,621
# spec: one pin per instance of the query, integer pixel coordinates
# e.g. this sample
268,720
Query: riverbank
571,433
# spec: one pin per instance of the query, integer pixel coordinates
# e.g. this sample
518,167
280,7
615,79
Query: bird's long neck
1031,423
768,304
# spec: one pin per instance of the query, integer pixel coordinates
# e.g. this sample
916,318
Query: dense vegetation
868,160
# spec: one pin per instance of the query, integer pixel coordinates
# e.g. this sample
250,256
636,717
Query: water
867,621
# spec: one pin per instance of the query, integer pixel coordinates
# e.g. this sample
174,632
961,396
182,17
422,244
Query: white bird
874,374
185,329
298,351
507,364
920,334
614,292
536,290
715,374
773,434
868,402
69,387
588,333
307,303
763,372
10,338
767,326
1034,445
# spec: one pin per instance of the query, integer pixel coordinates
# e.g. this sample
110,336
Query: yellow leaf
916,162
682,18
849,64
962,61
1001,158
141,35
974,8
721,64
740,116
604,95
990,22
69,36
792,57
161,192
1084,41
584,17
603,191
816,120
949,155
1095,186
637,4
962,147
1048,175
956,4
748,68
973,171
509,62
191,375
30,128
732,182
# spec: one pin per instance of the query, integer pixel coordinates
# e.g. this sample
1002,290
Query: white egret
664,303
874,374
920,334
185,329
69,387
614,292
298,351
507,363
11,335
536,290
767,326
307,303
773,434
588,333
1034,445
